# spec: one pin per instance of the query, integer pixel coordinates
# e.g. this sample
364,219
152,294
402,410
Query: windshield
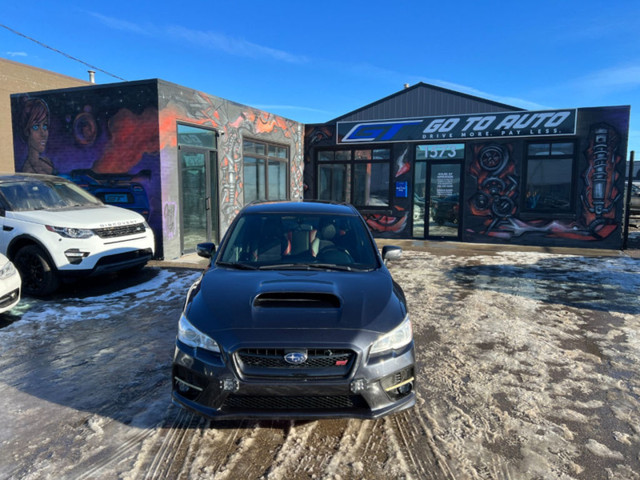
309,241
46,195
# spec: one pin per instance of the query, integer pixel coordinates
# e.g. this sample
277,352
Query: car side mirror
206,249
391,252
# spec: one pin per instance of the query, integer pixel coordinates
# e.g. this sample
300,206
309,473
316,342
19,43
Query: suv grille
263,362
121,231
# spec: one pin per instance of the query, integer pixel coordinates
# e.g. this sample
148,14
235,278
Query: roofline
88,86
48,72
422,84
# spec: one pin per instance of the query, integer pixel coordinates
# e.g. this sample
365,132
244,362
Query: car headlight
190,335
8,270
397,338
71,232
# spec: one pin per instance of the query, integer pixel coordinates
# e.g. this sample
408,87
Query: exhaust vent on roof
296,300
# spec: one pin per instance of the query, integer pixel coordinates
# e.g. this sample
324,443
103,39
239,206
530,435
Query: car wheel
39,277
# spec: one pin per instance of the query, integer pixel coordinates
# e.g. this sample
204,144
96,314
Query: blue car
115,189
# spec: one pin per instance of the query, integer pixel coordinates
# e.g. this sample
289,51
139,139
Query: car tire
39,277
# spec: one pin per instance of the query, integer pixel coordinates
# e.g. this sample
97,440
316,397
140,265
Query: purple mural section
104,140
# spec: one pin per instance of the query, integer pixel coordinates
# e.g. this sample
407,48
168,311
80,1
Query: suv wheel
39,278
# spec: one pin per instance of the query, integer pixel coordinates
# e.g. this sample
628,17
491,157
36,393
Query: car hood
92,217
286,300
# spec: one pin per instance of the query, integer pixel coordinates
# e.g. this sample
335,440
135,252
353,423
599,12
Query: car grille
260,362
121,231
286,403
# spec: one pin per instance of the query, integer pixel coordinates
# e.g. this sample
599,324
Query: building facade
429,163
186,160
423,163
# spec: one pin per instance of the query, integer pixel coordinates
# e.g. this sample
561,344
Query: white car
54,230
9,285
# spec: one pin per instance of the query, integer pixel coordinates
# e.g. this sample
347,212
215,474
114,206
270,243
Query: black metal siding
424,100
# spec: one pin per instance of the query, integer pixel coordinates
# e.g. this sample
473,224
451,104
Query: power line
62,53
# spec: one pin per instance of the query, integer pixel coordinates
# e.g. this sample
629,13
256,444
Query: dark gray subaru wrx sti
297,316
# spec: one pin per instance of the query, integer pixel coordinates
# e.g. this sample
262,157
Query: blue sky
314,61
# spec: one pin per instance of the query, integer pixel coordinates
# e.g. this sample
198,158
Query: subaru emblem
296,358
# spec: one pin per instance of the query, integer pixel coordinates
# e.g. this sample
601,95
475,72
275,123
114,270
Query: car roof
310,207
13,177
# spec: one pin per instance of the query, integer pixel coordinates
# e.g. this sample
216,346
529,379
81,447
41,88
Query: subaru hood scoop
268,299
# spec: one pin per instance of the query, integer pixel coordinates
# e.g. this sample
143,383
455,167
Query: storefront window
549,177
371,184
332,183
368,170
265,168
196,137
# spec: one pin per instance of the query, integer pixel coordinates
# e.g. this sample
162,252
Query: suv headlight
7,270
71,232
190,335
397,338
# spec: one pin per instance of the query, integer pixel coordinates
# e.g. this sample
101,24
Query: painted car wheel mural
497,183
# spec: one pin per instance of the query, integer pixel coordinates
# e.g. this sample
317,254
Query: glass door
199,197
443,198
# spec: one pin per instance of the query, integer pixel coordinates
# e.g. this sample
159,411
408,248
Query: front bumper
213,386
97,255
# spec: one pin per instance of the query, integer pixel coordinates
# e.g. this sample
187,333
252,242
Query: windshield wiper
330,266
287,266
239,266
306,266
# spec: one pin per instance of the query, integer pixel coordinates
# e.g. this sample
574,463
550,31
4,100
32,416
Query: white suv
52,230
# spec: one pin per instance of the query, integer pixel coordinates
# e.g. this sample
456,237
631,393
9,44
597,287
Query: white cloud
515,101
612,78
368,70
233,46
16,54
123,25
212,40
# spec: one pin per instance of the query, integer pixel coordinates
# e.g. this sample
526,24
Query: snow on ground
529,362
527,370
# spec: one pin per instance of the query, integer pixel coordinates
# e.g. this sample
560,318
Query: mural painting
496,184
233,123
119,142
108,148
495,200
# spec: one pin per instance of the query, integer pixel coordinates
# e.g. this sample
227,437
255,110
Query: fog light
75,256
358,385
403,387
186,386
229,385
406,388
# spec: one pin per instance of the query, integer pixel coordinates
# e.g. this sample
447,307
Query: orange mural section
131,136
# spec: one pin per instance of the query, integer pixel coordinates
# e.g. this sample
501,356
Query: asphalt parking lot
528,364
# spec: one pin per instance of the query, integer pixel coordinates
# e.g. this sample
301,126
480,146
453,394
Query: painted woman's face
38,136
